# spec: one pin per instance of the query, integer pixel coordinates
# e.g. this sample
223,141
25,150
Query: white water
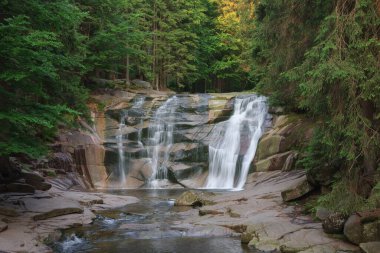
121,139
161,139
138,104
234,143
120,149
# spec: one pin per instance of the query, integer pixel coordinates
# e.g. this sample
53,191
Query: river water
148,226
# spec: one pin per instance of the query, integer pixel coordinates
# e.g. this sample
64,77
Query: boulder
371,247
272,163
141,84
20,187
191,198
35,180
3,226
353,229
334,223
296,191
363,227
268,146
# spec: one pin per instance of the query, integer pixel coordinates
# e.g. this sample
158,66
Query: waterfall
234,143
122,138
161,131
138,104
120,148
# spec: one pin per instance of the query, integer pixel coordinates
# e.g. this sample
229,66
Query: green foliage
322,57
40,52
345,200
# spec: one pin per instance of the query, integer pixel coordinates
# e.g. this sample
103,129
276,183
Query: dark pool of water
143,227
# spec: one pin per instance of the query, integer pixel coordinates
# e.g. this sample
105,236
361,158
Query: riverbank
31,220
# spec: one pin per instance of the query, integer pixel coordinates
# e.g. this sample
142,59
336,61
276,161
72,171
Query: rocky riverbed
260,216
29,220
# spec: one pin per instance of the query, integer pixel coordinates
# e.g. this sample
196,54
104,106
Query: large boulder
35,180
268,146
363,227
277,148
191,198
297,190
274,162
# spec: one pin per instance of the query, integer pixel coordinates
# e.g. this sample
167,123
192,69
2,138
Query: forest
316,57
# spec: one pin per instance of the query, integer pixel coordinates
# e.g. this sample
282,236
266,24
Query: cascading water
161,138
138,104
122,138
120,148
234,143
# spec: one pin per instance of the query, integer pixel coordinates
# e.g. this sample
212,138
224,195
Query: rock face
277,147
363,227
297,190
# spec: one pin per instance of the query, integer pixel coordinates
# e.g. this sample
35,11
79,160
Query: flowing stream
149,226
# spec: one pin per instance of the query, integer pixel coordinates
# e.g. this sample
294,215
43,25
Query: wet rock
9,211
190,198
370,247
19,187
3,226
334,223
296,191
